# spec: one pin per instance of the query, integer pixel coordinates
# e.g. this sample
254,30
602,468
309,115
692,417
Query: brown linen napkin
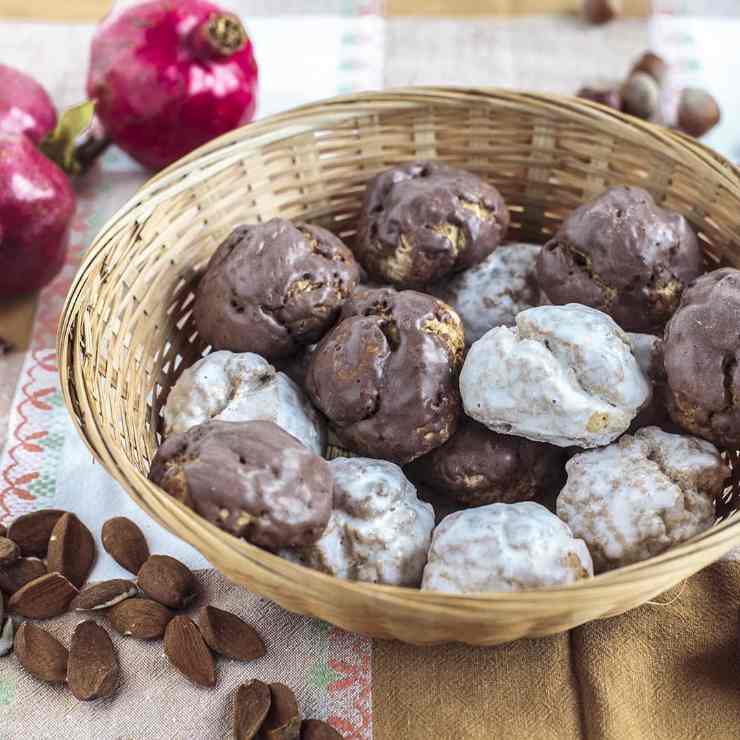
659,672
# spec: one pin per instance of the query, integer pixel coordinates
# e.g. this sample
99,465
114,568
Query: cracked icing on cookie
641,495
379,531
564,375
622,254
423,220
273,288
701,353
250,478
493,292
386,375
242,387
504,547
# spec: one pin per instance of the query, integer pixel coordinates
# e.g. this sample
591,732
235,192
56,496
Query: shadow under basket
127,329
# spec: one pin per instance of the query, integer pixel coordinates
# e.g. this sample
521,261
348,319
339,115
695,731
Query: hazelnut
601,11
641,96
698,111
651,64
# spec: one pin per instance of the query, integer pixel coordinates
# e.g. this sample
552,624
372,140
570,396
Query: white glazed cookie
641,495
379,530
242,387
564,375
493,292
504,547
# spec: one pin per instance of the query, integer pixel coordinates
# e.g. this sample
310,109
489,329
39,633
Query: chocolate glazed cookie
386,375
424,220
700,354
624,255
477,466
273,288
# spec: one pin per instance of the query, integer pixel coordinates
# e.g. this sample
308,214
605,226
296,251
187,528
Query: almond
167,581
40,653
9,552
125,543
227,634
251,705
6,637
92,670
315,729
71,549
31,532
283,721
141,618
19,573
44,597
104,595
3,530
188,652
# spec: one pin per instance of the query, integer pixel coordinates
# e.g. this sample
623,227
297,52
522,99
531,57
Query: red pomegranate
169,76
36,208
25,107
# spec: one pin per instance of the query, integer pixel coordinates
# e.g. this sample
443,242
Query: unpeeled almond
103,595
167,581
40,653
227,634
251,705
44,597
92,669
18,574
315,729
125,543
188,652
71,550
141,618
6,636
31,531
283,721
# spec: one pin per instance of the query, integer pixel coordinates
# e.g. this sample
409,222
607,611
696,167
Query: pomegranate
169,76
37,203
25,107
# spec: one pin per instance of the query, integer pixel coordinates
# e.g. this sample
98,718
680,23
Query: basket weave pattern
127,329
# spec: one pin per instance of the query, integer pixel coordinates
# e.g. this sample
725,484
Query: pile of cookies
499,416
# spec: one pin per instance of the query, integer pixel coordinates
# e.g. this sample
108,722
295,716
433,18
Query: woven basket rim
175,178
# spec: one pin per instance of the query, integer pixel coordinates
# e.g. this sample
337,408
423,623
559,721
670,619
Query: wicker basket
127,330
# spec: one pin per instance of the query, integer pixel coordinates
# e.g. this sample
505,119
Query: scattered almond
92,670
71,550
44,597
40,653
227,634
31,532
125,543
315,729
283,721
9,552
251,705
19,573
6,637
167,581
141,618
188,652
104,595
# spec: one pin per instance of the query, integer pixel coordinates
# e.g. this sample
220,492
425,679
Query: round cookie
242,387
386,375
624,255
379,531
564,375
701,353
272,288
641,495
251,478
504,547
493,292
477,466
423,220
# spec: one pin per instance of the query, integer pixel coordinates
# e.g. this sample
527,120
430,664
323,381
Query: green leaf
60,144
